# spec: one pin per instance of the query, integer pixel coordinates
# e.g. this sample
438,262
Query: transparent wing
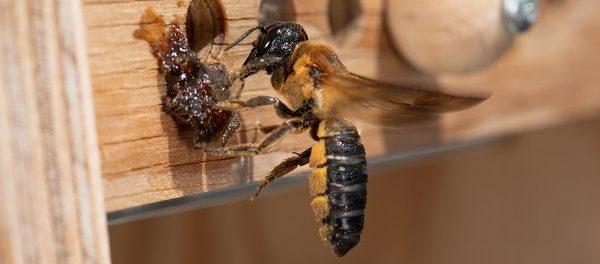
355,97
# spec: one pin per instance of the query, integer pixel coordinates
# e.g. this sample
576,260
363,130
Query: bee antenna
243,36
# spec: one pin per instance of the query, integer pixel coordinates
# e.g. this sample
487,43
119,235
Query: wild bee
322,96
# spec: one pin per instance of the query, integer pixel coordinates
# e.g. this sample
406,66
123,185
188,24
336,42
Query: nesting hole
344,17
273,11
205,26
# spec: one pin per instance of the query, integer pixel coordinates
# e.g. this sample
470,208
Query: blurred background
531,198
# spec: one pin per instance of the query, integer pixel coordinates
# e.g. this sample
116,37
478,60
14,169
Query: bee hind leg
283,168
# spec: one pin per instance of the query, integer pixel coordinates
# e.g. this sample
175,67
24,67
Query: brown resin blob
193,87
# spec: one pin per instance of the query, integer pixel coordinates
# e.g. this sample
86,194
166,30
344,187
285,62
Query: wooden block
547,76
51,200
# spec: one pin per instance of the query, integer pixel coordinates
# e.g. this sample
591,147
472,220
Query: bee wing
352,96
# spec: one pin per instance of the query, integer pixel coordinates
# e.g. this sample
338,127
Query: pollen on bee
317,181
320,206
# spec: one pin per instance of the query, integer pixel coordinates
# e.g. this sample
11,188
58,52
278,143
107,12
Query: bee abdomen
338,185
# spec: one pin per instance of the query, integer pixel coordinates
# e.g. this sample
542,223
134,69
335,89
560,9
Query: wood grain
548,76
51,200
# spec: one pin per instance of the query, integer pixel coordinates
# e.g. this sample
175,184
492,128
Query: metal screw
519,15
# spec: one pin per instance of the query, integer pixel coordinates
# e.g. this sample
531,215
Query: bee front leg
284,168
295,125
282,111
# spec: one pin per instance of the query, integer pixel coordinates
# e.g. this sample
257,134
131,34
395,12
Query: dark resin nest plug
192,87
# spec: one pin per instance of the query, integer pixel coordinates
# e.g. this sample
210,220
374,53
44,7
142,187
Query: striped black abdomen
338,184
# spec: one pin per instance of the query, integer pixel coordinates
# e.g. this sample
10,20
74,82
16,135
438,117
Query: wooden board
51,200
548,76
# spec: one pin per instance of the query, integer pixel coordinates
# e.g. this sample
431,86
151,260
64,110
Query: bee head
274,45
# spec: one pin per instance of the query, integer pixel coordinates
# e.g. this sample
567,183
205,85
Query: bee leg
282,111
295,125
267,129
283,168
285,112
236,105
237,85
